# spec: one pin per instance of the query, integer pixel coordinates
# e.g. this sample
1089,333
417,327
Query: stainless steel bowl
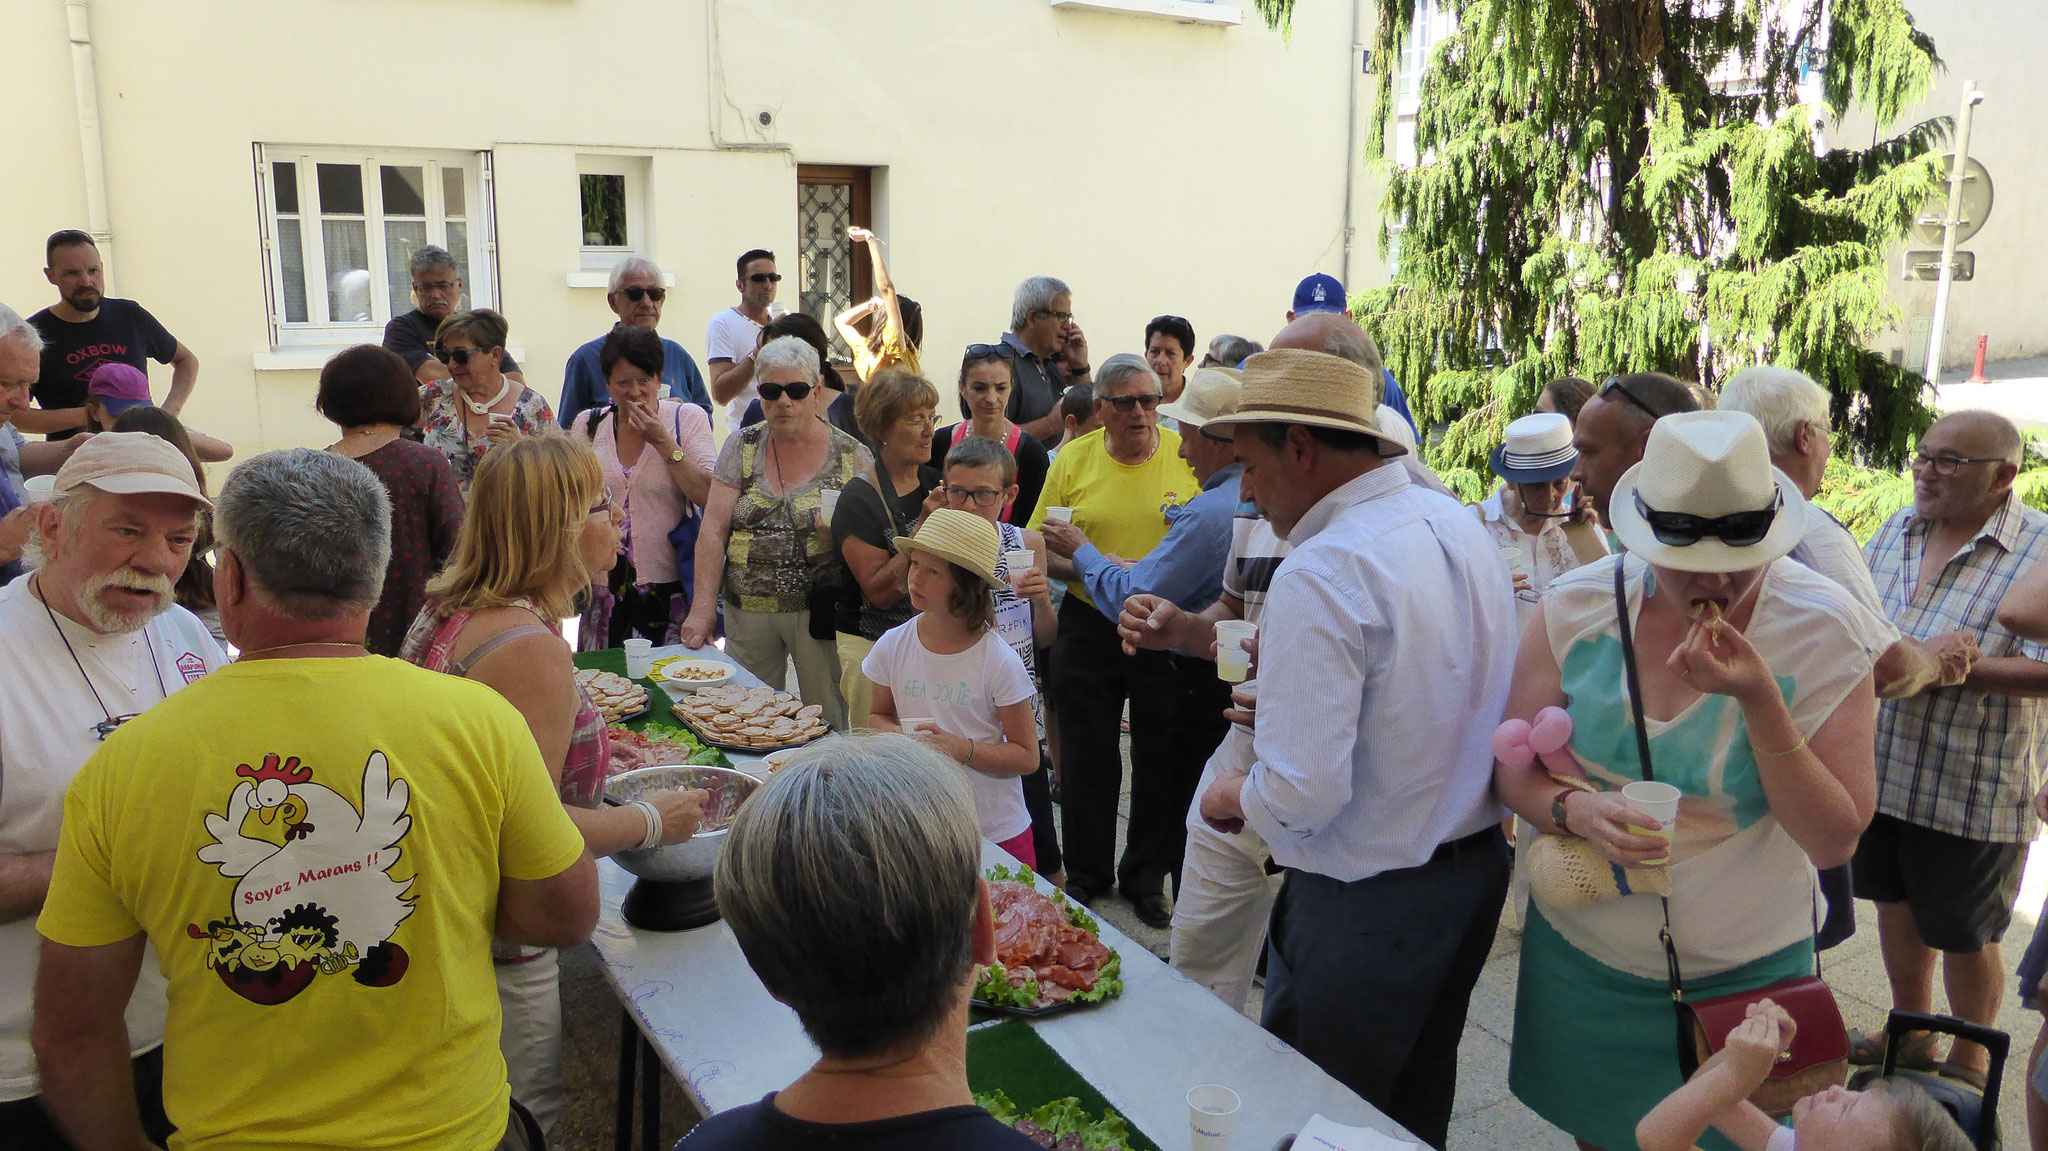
695,857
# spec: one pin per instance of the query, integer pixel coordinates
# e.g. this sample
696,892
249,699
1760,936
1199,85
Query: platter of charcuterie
750,720
1048,954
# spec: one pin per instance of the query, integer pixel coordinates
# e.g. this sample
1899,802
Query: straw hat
1293,386
1538,450
1707,464
1210,394
962,538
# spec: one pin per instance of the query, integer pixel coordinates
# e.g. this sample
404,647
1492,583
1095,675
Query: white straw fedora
1211,393
1293,386
959,537
1538,450
1707,465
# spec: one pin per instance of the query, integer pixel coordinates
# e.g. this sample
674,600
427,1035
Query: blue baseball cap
1318,293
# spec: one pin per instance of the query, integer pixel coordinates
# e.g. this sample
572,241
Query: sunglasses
1737,530
986,497
457,356
109,725
1125,404
772,392
766,277
635,293
1614,385
991,352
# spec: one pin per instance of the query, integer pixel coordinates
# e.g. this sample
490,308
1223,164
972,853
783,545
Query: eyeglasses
772,392
985,497
1737,530
1614,385
457,356
635,292
603,505
1062,317
766,277
991,352
1124,404
1177,321
106,727
1950,465
437,287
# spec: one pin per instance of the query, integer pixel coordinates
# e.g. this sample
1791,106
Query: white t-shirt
47,719
732,336
961,693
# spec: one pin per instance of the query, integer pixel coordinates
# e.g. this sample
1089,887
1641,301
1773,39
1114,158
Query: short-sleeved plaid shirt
1956,760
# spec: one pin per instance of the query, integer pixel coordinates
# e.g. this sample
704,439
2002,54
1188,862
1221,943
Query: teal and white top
1741,888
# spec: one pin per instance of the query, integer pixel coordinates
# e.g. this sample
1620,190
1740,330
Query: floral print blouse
443,429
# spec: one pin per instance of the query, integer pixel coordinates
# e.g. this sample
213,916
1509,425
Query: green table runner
1011,1058
614,660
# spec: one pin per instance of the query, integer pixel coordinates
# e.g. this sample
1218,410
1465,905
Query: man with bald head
1957,767
1615,424
1339,335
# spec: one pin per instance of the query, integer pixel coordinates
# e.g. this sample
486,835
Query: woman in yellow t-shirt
895,324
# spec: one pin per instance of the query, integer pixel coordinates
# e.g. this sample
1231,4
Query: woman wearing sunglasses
764,544
988,374
1756,702
478,405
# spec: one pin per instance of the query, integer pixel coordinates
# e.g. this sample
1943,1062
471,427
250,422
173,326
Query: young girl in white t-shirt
948,678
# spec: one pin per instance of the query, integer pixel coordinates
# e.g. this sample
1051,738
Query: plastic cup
39,488
639,658
1059,515
1245,697
828,501
1657,803
1017,561
1232,633
1232,663
1212,1116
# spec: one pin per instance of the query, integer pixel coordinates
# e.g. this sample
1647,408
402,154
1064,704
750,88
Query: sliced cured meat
1082,954
1068,978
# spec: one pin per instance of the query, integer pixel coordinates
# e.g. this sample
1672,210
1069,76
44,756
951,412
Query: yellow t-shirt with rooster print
314,847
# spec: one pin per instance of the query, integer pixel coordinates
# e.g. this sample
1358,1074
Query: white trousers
1226,897
530,996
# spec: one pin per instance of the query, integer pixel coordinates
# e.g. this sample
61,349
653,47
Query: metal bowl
694,857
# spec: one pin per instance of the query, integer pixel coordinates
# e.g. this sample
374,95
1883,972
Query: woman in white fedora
1758,705
1530,514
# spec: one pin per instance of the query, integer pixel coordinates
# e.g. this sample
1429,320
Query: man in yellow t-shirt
320,844
1119,482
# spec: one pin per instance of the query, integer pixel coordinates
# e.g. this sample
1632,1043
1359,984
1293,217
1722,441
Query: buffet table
701,1011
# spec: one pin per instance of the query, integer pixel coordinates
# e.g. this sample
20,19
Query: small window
341,230
613,197
604,211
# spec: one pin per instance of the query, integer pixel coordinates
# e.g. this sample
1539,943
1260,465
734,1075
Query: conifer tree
1606,186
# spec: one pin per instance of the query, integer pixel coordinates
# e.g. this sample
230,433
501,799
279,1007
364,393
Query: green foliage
1609,186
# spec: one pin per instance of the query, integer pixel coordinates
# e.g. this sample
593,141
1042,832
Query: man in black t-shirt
437,289
848,826
85,329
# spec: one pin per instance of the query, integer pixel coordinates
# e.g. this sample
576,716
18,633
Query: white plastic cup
639,658
1232,633
1245,697
1232,664
1212,1116
36,489
1657,803
1059,515
828,502
1017,561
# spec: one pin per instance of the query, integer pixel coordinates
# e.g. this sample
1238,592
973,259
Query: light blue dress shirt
1186,567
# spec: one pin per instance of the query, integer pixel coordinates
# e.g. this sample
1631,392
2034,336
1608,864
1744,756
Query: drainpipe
1351,149
85,92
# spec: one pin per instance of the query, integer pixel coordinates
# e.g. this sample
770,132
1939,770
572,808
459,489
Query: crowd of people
335,821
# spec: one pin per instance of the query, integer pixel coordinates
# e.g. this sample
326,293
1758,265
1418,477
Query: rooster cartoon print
314,896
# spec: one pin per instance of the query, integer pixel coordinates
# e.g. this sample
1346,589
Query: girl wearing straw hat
1756,702
1529,517
948,678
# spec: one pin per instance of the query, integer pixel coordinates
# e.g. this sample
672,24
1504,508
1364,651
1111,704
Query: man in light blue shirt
636,297
1373,768
1186,568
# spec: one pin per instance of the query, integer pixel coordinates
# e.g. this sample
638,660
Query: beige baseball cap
130,463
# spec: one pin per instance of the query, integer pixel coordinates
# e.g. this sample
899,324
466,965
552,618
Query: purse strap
1687,1056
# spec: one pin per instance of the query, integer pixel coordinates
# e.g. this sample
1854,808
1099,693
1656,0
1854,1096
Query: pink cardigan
654,504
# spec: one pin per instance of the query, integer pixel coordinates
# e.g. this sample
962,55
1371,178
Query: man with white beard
92,638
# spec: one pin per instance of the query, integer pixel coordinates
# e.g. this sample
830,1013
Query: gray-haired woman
764,544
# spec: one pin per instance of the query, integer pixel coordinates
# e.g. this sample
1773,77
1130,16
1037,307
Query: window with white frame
341,226
612,192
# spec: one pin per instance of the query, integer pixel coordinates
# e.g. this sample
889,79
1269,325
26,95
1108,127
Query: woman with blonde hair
540,524
895,322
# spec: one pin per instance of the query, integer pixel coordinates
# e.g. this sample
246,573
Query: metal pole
1971,98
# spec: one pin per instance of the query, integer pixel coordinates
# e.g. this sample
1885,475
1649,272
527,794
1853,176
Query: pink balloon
1551,731
1511,743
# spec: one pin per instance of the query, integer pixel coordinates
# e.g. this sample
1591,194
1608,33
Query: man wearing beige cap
1372,782
93,639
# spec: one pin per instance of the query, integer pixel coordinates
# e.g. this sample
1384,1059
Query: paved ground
2018,388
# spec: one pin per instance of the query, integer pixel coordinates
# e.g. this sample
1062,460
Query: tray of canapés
754,720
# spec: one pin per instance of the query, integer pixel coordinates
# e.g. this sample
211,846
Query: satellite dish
1976,206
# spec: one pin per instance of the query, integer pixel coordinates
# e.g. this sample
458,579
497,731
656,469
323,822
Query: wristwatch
676,456
1557,810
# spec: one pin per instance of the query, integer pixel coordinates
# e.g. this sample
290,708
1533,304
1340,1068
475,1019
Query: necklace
484,409
106,727
289,646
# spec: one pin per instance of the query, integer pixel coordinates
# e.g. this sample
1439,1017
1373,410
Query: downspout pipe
1351,148
85,92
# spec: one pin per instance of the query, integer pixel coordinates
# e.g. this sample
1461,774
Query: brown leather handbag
1819,1055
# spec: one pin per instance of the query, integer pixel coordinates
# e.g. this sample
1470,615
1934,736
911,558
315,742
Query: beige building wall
1157,166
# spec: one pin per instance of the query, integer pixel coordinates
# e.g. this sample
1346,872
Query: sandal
1967,1075
1866,1050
